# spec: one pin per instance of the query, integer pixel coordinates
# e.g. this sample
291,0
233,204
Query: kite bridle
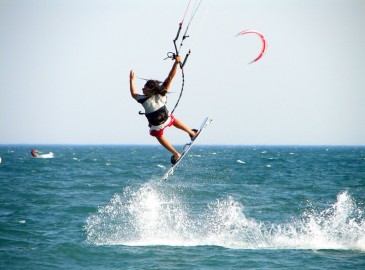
177,50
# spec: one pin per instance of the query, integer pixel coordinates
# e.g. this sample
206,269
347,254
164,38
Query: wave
151,216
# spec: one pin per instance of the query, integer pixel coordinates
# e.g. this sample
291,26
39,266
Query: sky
64,70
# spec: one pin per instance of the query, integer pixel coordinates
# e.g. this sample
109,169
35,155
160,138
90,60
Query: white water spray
151,216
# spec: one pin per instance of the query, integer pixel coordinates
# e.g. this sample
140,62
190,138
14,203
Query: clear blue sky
64,70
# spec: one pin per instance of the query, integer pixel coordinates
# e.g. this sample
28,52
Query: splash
341,226
152,215
143,217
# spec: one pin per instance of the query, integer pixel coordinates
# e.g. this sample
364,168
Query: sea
225,207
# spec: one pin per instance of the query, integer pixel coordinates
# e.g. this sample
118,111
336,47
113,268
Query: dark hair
156,87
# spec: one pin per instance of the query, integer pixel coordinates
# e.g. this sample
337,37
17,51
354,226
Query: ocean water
225,207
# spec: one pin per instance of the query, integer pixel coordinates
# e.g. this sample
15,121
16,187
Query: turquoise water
231,207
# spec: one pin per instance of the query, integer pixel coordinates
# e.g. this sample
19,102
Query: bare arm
131,85
167,82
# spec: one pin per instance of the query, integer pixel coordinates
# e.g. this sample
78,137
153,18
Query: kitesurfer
34,153
154,101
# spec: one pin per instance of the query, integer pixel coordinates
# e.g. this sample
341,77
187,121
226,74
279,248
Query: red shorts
157,133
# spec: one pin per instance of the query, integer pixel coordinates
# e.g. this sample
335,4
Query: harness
158,117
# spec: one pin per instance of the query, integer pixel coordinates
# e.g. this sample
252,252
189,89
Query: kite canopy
264,45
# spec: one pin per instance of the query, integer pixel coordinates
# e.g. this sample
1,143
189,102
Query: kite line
173,55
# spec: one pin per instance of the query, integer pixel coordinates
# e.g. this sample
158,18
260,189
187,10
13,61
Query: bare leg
165,143
180,125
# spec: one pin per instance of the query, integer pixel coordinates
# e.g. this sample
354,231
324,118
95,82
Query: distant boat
35,153
49,155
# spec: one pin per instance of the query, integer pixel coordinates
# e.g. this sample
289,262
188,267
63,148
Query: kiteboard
187,147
